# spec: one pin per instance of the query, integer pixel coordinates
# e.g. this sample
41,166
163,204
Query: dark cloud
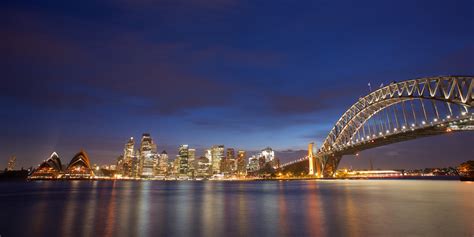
195,4
291,104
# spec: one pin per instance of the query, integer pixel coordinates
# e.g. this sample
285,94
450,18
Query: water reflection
314,209
285,208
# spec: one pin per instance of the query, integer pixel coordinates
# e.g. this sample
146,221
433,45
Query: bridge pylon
311,158
315,164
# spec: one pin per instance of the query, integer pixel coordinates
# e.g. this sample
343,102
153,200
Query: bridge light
403,127
413,125
395,129
387,132
368,137
463,113
380,133
436,120
423,122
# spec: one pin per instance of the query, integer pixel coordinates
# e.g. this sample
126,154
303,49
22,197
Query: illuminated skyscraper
202,167
191,161
208,155
163,163
183,153
230,165
241,165
127,164
11,163
148,156
217,155
175,165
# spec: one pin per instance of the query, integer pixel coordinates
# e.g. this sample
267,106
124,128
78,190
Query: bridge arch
349,134
451,89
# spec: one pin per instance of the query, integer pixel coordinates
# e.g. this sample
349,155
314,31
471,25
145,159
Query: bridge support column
315,162
311,159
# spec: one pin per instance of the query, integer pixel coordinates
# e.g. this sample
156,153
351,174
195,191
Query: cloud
174,4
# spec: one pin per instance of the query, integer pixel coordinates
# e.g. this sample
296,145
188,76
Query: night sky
246,74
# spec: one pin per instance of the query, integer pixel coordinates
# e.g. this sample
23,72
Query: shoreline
252,179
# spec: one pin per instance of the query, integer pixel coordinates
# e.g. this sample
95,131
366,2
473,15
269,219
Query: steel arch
452,89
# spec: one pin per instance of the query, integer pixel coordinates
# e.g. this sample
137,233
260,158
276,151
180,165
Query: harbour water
258,208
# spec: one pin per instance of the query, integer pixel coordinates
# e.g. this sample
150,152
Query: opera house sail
79,167
49,169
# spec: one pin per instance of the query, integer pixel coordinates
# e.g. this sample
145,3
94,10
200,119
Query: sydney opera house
78,168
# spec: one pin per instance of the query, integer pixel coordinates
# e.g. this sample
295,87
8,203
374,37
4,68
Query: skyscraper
241,156
163,164
230,161
202,167
191,161
148,156
208,155
175,165
217,155
183,153
127,165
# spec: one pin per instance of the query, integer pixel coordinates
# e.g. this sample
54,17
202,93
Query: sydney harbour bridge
396,112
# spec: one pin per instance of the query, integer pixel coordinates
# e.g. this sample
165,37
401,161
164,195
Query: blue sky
247,74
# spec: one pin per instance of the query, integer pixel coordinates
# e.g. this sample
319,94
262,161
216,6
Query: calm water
270,208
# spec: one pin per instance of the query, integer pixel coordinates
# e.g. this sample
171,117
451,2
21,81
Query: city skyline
246,74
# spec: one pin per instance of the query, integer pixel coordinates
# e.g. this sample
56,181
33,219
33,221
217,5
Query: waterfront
259,208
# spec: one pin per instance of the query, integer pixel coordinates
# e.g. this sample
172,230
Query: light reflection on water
270,208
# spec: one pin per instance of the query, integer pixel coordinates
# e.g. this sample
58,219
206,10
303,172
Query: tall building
147,156
267,156
241,165
203,167
268,153
175,165
191,161
127,163
120,165
183,153
229,164
163,164
135,165
217,155
11,163
253,164
208,155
